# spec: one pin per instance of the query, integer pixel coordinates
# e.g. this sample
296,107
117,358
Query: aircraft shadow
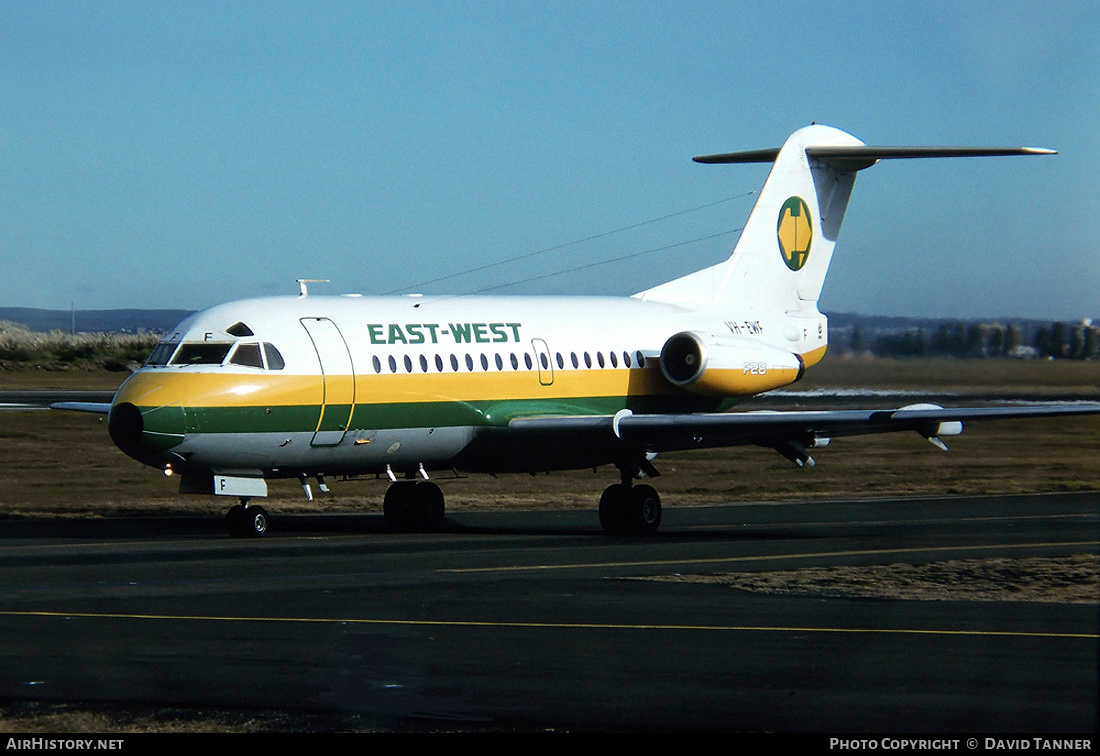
289,525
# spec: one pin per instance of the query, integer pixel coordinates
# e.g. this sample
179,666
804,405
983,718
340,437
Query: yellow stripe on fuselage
154,388
217,387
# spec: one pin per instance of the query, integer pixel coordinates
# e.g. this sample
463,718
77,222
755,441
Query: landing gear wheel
645,510
613,503
396,505
634,510
233,521
427,507
413,506
247,522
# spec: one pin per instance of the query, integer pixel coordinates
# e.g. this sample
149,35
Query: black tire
255,522
644,510
613,508
234,521
428,507
397,505
247,522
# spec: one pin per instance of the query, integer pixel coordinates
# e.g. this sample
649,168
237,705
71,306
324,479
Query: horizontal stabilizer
850,158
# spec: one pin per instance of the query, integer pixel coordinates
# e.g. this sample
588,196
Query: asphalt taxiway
535,620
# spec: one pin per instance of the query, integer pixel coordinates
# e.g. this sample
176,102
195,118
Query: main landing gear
246,520
627,509
418,506
413,506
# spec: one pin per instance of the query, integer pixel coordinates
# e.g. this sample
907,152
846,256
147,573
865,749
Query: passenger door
337,381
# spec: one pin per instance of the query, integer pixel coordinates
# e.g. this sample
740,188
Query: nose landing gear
246,520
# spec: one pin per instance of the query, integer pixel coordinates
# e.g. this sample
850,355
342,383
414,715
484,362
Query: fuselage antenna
302,290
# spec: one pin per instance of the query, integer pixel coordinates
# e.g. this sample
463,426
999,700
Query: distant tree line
1074,341
20,346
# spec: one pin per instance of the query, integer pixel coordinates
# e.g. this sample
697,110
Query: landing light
168,471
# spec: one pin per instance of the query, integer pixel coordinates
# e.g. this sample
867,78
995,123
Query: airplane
316,387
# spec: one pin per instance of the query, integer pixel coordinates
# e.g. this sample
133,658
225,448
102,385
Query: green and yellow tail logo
795,232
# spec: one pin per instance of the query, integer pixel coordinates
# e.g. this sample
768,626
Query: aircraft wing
101,407
789,432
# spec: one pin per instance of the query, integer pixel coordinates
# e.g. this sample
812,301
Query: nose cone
126,426
146,433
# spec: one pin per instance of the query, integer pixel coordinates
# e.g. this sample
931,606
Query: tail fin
780,261
784,251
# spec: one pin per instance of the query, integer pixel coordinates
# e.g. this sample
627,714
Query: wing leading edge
101,408
790,433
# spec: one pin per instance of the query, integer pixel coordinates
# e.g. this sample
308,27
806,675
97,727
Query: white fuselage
289,386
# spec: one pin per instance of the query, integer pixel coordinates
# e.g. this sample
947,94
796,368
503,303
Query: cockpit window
239,329
201,353
162,353
274,359
248,355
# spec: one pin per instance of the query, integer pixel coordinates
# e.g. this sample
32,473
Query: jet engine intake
727,367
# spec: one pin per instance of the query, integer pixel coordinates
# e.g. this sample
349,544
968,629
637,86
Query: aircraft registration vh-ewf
311,387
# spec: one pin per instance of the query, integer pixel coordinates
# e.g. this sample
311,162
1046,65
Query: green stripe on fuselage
304,418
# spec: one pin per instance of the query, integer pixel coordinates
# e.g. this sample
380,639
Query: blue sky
179,155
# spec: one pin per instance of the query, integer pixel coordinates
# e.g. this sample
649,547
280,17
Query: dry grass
34,717
1055,580
992,377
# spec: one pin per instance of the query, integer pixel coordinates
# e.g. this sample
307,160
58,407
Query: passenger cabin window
201,353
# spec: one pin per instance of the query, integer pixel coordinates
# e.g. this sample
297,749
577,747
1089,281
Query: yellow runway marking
766,557
922,521
549,625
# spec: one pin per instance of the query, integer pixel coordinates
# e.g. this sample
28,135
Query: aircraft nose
147,434
125,424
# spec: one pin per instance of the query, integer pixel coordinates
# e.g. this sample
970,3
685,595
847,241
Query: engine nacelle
727,367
